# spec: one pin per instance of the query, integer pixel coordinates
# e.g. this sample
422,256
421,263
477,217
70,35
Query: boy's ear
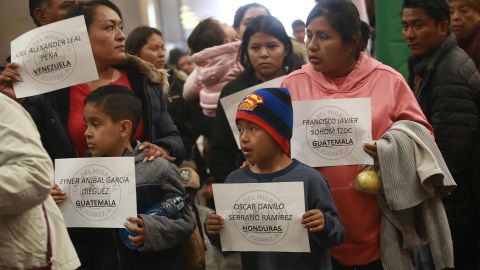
126,128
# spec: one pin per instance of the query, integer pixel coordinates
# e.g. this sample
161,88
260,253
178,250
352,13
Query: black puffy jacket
50,112
449,95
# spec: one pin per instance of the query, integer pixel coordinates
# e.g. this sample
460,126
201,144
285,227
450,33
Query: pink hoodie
392,100
216,66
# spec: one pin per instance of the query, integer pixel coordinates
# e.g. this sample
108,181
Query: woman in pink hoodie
338,69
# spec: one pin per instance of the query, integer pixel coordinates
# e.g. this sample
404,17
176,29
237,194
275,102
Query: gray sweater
157,180
414,177
317,196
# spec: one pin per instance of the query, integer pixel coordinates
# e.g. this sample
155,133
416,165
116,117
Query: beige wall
134,13
15,20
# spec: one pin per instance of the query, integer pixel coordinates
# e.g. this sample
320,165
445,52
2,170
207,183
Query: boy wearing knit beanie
264,120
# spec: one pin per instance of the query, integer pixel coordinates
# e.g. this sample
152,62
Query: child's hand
140,238
214,224
314,220
155,151
58,195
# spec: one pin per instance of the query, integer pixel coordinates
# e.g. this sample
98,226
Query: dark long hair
138,38
345,19
271,26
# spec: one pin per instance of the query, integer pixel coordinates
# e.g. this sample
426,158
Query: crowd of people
164,110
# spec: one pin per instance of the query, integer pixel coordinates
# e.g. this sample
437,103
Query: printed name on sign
100,191
331,132
95,192
51,58
260,217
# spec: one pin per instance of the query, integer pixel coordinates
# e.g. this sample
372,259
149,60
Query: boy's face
257,145
104,137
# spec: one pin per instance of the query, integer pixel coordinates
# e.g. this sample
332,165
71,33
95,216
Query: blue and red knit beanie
271,109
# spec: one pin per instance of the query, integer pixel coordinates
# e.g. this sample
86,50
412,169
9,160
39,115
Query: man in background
447,86
44,12
47,11
298,27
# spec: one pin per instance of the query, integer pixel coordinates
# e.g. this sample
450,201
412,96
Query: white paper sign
101,192
53,57
230,103
331,132
262,217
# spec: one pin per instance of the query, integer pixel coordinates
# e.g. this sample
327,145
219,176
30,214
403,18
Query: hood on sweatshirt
364,67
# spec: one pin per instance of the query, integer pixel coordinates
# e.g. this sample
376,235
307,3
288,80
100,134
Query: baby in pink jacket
217,64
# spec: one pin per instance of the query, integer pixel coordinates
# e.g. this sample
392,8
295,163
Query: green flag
390,47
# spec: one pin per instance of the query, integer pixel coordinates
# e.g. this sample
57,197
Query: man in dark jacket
447,86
